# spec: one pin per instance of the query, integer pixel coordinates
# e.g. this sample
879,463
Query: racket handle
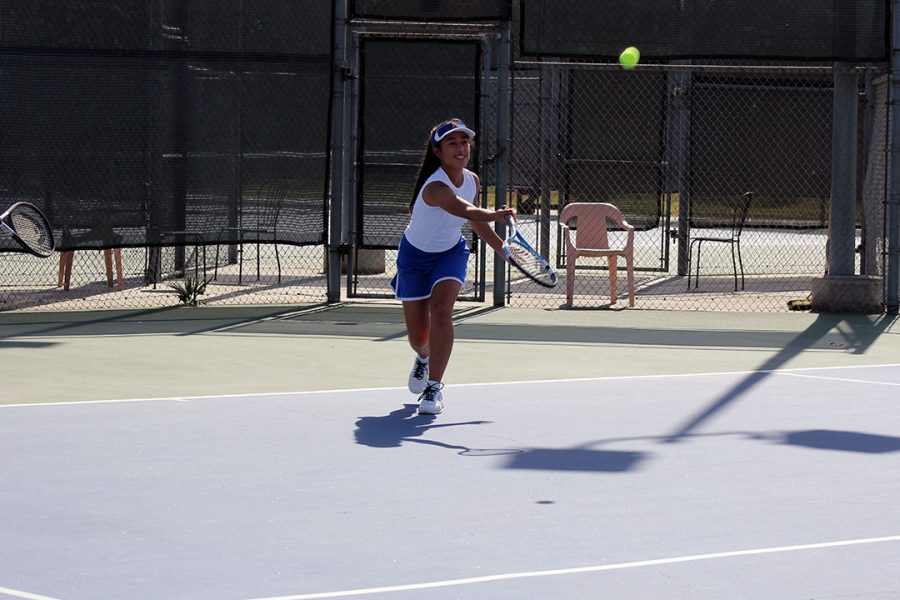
505,247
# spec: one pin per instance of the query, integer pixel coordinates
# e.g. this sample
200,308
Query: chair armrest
567,238
629,239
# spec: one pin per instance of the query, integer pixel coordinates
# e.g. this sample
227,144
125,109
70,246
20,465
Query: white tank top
433,229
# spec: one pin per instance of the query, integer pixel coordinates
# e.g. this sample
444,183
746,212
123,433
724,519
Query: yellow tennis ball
629,57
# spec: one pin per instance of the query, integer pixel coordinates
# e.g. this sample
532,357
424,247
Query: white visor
442,131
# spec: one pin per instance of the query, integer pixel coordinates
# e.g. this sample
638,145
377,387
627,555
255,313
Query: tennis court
270,453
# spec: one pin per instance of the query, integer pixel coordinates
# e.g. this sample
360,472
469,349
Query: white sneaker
418,377
431,402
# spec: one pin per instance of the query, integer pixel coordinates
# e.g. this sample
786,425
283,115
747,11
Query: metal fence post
842,224
545,159
892,267
502,178
678,154
338,175
484,102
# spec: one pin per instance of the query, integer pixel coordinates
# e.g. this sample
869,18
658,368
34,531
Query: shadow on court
852,334
577,459
4,345
172,320
402,426
856,335
847,333
586,459
845,441
383,323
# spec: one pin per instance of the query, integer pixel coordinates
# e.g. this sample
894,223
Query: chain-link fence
166,142
675,147
197,126
295,276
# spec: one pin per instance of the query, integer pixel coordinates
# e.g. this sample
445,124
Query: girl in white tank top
433,229
432,256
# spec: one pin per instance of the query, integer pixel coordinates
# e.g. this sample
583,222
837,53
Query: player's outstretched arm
441,195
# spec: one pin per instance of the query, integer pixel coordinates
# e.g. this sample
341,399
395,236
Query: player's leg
443,298
418,330
418,325
440,342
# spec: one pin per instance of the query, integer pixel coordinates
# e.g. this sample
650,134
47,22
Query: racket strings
32,229
530,263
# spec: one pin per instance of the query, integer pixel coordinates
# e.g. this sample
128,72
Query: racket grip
505,246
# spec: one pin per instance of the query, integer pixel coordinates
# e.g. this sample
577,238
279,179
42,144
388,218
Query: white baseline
458,385
579,570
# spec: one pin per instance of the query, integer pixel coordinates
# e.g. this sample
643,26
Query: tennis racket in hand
30,228
525,258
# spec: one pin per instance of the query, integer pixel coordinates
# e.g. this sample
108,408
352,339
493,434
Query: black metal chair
257,221
738,217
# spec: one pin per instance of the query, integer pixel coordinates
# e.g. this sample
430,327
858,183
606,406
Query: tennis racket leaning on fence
526,259
28,226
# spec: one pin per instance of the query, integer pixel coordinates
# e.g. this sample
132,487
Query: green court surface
74,356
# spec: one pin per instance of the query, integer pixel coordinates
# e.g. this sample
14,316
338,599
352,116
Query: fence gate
406,84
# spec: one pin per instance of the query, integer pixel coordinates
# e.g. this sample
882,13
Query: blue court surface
751,483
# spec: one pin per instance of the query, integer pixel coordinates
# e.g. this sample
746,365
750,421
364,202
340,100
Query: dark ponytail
430,164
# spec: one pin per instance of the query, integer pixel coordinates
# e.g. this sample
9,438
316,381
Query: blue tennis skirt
418,272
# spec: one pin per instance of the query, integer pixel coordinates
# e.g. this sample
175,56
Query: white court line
578,570
20,594
836,378
450,386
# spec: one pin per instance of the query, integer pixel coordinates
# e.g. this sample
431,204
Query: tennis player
432,257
